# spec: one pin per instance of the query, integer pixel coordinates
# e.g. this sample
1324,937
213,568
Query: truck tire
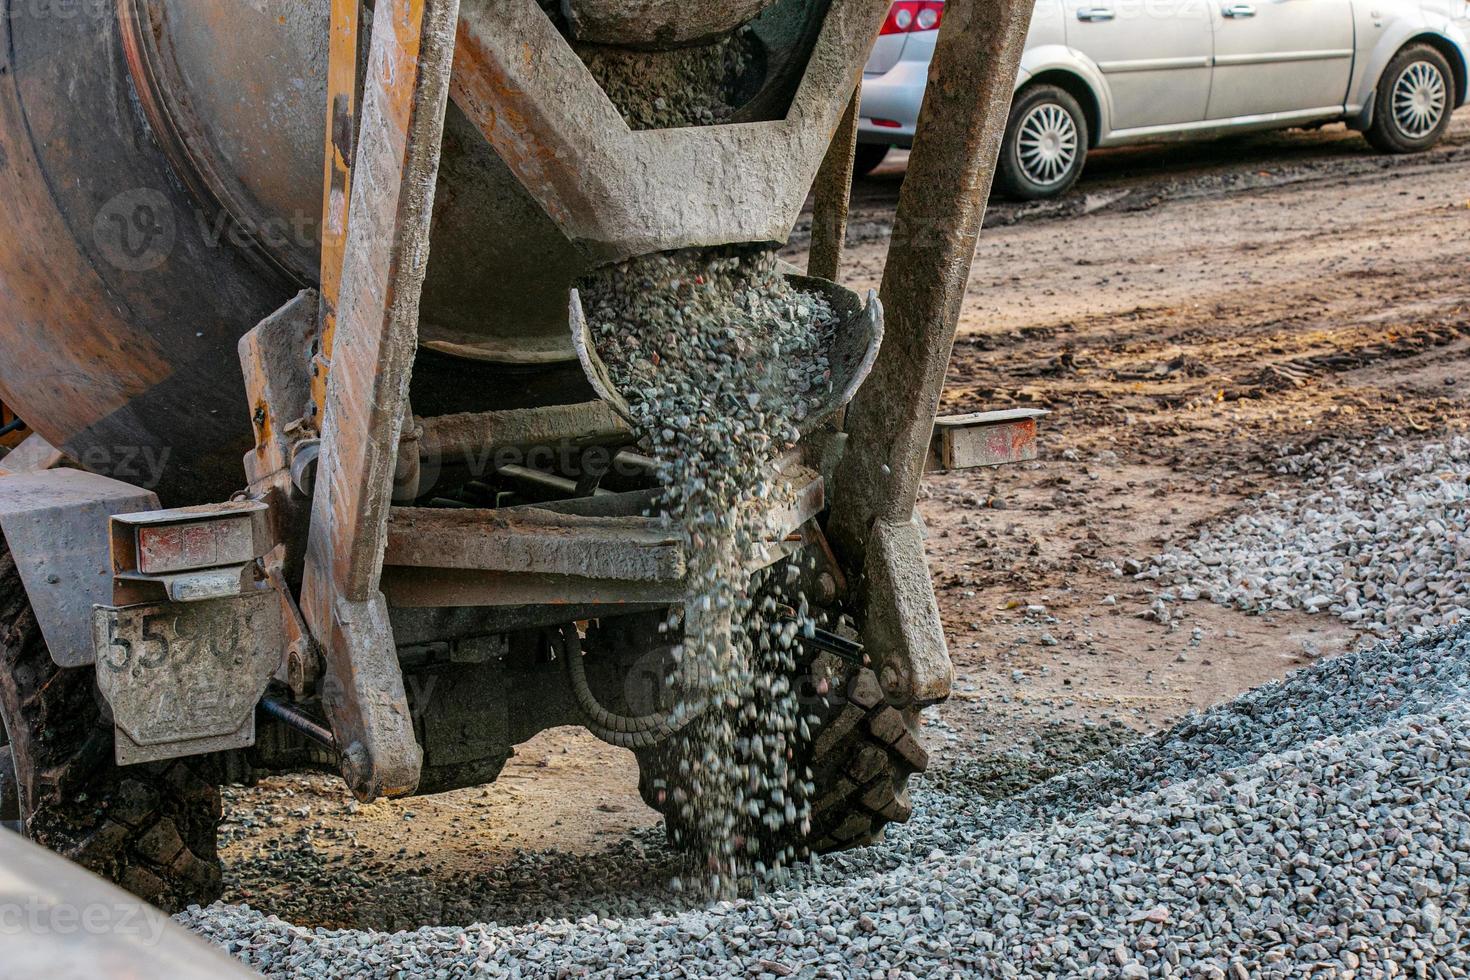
151,829
1414,101
861,756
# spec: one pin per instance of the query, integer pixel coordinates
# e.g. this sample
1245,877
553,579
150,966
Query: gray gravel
1377,536
720,358
1322,822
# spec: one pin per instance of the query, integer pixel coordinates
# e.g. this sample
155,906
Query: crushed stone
1320,823
1377,535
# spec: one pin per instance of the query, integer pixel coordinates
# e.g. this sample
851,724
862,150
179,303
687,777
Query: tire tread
120,822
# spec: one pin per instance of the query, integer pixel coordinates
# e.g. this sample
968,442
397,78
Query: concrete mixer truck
317,477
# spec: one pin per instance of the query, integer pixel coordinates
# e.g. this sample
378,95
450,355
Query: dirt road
1189,316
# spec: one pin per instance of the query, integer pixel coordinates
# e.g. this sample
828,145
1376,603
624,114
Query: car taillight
912,16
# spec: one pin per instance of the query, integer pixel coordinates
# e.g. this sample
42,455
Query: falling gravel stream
720,359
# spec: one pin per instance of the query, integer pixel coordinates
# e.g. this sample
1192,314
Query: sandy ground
1188,315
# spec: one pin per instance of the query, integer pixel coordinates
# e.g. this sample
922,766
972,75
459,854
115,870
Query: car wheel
1045,146
869,157
1414,101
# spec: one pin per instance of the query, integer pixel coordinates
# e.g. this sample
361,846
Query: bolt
296,668
827,587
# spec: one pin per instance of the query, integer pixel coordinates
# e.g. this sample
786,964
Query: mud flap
56,525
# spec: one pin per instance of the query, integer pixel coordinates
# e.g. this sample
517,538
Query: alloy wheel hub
1048,144
1420,98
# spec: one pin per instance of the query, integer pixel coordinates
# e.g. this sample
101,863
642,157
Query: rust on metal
963,442
273,360
439,588
394,173
481,435
337,182
75,328
534,541
185,140
205,536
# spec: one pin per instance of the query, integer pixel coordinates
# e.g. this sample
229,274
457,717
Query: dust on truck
339,243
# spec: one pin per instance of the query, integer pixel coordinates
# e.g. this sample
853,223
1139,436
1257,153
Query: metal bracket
964,442
184,678
189,554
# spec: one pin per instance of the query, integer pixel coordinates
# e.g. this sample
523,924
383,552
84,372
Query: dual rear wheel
861,756
152,829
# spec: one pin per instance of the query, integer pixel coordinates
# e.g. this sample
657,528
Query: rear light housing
913,17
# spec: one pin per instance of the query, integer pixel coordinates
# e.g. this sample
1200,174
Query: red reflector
913,16
888,123
170,548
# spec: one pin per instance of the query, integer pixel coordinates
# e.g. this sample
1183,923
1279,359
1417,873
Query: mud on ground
1189,316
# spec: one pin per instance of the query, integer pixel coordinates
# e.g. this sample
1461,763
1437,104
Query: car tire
1414,101
1045,146
869,157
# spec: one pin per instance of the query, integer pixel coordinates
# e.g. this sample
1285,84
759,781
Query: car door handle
1239,10
1091,14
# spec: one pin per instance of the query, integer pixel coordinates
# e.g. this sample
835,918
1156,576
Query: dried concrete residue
670,88
720,358
693,86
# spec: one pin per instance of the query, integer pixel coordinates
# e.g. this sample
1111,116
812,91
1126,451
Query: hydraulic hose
624,731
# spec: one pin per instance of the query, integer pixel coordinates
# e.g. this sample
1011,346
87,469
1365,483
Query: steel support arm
890,423
833,193
385,257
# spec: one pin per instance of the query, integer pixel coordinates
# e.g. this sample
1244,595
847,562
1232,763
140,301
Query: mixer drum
163,167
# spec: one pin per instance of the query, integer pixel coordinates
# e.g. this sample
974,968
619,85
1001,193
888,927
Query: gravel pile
1379,538
1321,823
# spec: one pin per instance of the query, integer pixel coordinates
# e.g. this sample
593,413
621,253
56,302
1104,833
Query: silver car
1113,72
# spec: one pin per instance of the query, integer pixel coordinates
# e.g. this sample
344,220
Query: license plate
184,677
